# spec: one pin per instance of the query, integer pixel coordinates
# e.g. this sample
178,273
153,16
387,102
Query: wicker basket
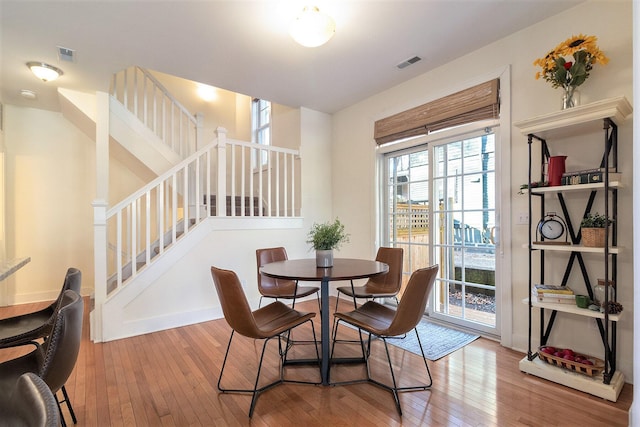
589,370
593,237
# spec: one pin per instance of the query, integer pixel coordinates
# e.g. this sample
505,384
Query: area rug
437,341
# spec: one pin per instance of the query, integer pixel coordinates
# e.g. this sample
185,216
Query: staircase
136,238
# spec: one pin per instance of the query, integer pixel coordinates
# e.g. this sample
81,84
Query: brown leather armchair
278,288
383,322
54,360
382,286
31,404
265,323
21,329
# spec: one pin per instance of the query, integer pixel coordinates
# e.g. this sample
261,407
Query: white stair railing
221,179
145,97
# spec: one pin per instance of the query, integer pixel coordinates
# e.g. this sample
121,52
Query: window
261,128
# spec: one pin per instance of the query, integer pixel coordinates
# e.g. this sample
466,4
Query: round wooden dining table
306,270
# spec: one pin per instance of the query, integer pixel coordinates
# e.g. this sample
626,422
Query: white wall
353,157
50,180
50,175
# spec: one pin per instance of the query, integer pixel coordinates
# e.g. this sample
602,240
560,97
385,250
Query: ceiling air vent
408,62
66,54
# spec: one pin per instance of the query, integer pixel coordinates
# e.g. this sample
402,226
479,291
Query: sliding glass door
441,208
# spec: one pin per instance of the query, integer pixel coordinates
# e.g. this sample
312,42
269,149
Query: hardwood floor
169,378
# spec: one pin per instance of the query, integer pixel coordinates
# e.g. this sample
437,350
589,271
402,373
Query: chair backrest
63,345
392,281
31,404
234,303
414,301
73,281
269,285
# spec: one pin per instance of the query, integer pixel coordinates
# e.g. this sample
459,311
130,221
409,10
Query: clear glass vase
599,292
570,97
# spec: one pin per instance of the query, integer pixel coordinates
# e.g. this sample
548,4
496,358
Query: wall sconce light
44,72
206,93
312,28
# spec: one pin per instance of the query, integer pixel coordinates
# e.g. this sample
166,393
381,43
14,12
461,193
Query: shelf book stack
553,293
588,176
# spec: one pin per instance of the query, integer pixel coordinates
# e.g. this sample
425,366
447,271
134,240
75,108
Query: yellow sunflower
570,62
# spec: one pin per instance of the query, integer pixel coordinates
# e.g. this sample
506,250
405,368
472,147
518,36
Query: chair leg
224,361
283,355
255,392
395,390
68,402
62,420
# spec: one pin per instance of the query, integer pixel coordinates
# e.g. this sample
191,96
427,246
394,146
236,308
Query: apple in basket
548,350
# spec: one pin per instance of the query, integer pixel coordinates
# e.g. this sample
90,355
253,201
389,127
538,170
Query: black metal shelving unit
543,131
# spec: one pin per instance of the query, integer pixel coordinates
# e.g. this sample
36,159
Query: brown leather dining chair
266,323
31,404
21,329
382,286
54,360
384,322
278,288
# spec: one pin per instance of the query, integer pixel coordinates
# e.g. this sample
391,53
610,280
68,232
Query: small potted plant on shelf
325,238
592,227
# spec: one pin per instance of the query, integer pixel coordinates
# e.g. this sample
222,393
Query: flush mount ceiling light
312,28
44,72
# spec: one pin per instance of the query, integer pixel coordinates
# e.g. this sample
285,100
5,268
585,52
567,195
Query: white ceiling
244,46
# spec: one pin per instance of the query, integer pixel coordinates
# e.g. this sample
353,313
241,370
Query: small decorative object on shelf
568,359
325,238
551,228
570,97
556,169
582,301
560,71
592,228
532,185
599,292
588,176
614,307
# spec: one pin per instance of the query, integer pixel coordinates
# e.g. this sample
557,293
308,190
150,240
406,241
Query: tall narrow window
261,127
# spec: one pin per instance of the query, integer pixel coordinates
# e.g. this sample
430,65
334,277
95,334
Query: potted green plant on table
592,228
326,237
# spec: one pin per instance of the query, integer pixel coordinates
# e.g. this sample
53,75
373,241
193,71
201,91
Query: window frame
260,128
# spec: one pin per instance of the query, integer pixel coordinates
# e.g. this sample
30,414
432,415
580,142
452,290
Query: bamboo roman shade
476,103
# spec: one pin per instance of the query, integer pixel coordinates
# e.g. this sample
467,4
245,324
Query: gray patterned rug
437,341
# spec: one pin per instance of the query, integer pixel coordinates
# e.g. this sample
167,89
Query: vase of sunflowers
568,65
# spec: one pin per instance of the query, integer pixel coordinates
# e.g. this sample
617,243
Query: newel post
100,205
100,266
221,190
